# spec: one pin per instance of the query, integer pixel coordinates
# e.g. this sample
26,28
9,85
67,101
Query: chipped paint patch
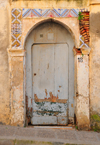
71,105
46,92
50,99
49,108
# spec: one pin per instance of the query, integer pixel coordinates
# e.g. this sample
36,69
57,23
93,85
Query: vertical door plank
61,71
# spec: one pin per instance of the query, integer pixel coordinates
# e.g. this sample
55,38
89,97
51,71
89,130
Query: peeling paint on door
50,99
47,100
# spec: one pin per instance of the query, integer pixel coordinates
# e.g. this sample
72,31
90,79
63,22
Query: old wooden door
50,84
50,75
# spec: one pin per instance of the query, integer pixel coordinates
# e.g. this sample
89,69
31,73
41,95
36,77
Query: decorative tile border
18,14
31,13
16,30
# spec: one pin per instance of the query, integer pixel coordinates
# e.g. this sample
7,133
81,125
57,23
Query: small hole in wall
34,74
41,35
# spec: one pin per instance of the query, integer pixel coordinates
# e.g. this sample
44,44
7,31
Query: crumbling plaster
95,60
4,65
50,3
82,97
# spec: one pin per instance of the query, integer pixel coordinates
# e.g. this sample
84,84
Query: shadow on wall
95,24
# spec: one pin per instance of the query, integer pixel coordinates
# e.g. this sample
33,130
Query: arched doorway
50,74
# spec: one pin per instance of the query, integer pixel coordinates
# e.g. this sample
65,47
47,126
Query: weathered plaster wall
95,63
50,3
4,65
94,1
82,97
17,103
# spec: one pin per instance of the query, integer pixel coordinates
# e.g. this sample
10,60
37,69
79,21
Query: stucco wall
95,64
82,98
17,103
4,65
50,3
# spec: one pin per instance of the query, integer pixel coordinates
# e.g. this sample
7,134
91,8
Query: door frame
71,119
79,98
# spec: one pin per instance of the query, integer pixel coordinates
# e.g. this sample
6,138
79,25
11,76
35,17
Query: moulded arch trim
56,21
28,58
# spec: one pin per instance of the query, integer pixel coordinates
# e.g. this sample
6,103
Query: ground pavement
10,135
